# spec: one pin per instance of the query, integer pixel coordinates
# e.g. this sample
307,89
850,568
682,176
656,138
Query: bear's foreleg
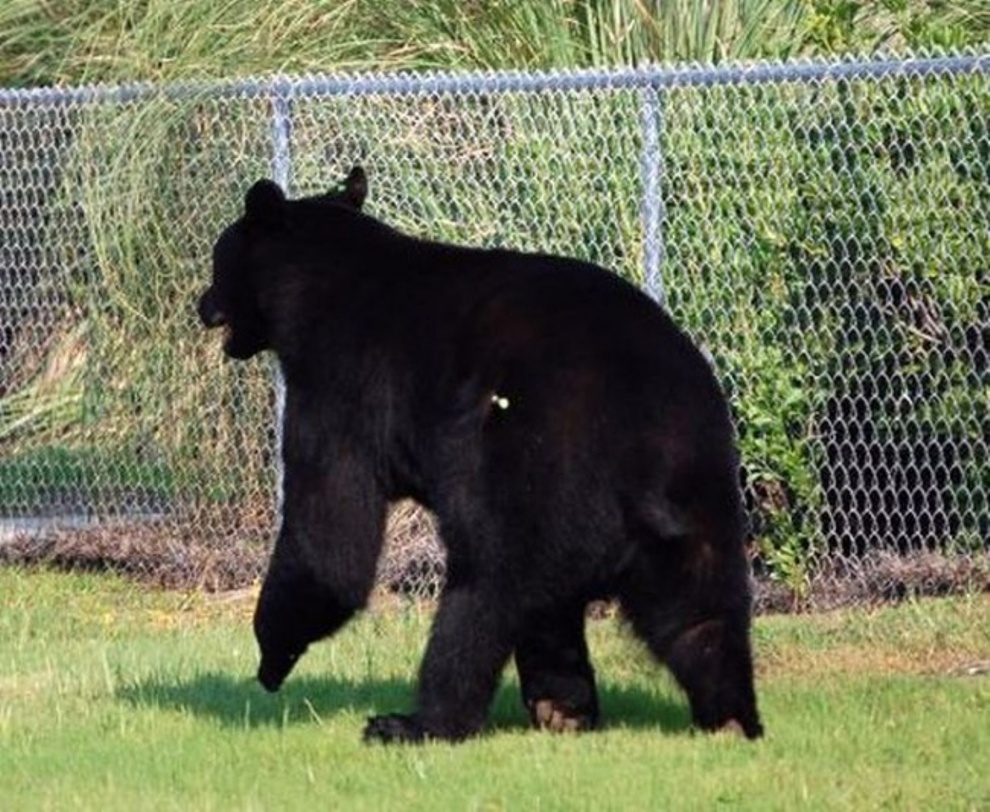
471,641
323,565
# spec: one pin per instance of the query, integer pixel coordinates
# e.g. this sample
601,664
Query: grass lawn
115,697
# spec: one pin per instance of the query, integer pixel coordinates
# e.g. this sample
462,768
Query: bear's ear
356,187
264,203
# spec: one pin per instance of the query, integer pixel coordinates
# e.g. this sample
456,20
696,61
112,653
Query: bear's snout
209,312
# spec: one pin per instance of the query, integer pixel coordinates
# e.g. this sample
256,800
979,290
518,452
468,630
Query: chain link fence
820,228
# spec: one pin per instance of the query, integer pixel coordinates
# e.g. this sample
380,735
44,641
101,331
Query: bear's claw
395,728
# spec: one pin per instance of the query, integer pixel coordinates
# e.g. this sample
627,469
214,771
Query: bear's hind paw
546,714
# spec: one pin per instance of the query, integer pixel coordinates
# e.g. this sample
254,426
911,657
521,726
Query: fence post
281,132
651,171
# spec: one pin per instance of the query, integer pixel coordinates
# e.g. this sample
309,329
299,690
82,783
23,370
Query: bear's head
248,249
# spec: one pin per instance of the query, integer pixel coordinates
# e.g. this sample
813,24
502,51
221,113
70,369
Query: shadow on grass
242,703
621,708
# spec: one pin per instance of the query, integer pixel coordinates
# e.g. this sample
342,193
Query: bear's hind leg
698,625
713,663
555,673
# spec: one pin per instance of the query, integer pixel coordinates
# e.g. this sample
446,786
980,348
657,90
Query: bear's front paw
394,729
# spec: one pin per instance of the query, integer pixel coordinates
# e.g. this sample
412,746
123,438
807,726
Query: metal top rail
398,84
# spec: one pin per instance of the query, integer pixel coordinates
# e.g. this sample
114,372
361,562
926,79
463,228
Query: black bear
571,440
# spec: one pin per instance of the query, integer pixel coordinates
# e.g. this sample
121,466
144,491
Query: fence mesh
821,229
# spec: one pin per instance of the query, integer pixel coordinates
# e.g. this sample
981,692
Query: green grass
112,697
76,41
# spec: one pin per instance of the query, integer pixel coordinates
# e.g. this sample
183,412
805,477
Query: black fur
572,442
